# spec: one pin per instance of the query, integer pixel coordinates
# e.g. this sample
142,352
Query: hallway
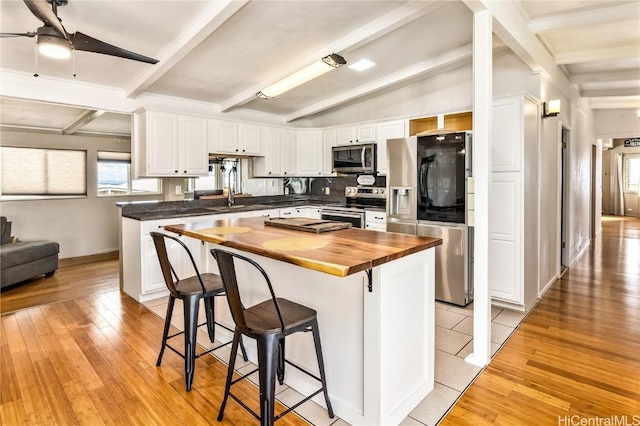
575,357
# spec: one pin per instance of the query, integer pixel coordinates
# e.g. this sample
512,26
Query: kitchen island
374,294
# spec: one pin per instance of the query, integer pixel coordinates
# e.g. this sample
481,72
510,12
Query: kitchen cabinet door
269,164
366,133
160,144
345,135
328,141
222,137
193,156
287,153
376,221
387,130
249,139
310,212
308,152
288,212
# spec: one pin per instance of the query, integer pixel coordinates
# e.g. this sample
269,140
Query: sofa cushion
5,230
26,251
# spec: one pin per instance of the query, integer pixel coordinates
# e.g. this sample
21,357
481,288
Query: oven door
354,218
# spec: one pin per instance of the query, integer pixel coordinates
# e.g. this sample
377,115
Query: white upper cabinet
387,130
229,137
328,141
168,144
223,136
288,153
249,140
361,133
309,152
269,164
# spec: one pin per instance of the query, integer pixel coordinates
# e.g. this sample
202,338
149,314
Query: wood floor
90,359
577,353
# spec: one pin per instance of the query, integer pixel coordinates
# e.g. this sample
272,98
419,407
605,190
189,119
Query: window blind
37,171
631,173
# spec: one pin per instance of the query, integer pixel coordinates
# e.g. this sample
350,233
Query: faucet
232,172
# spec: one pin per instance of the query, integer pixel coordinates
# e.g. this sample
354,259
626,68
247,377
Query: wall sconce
310,72
551,109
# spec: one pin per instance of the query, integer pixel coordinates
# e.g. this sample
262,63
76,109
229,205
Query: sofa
22,260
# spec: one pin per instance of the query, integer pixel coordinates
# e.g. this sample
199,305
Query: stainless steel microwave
354,158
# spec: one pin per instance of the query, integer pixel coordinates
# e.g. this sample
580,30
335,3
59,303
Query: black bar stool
190,290
268,322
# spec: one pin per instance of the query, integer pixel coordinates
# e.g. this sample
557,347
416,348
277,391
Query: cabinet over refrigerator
427,196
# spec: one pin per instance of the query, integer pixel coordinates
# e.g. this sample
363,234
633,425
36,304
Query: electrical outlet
327,190
178,189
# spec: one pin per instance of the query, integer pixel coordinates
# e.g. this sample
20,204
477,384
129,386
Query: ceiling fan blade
43,11
86,43
29,34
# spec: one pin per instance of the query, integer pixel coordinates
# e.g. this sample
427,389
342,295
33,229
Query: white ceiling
222,52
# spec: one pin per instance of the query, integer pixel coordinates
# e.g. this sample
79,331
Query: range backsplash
317,186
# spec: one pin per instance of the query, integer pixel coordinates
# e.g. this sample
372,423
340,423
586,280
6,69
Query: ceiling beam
452,57
606,77
611,92
204,25
563,20
82,120
614,102
373,30
579,56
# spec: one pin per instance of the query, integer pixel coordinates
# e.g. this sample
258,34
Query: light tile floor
453,341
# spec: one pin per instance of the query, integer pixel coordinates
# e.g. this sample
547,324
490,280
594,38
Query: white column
482,113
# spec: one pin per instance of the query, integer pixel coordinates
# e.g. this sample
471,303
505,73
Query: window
632,173
39,172
114,176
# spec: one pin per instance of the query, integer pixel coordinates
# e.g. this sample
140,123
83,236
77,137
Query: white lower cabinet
288,212
311,212
375,221
141,274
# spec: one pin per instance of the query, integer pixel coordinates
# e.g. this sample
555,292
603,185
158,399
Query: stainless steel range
357,200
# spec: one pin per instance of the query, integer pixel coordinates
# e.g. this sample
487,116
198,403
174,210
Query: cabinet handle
269,172
377,217
175,171
236,149
185,171
285,173
243,150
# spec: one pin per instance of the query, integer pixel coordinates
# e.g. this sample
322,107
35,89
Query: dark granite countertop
186,208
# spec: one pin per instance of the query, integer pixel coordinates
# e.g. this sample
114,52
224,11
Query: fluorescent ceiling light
310,72
361,65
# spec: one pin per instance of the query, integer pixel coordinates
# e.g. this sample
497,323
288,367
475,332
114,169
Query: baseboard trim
71,261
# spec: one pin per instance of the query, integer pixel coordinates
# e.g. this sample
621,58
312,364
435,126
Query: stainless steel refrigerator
427,187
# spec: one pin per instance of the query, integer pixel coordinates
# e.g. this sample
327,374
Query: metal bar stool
268,322
190,290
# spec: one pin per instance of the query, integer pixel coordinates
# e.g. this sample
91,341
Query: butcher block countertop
341,253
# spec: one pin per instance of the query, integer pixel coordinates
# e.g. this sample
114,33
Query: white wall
82,226
579,195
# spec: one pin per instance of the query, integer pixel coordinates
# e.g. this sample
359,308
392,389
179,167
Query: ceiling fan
53,39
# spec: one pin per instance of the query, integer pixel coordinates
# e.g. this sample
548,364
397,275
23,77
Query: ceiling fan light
53,46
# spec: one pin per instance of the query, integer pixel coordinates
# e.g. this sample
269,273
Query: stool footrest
293,407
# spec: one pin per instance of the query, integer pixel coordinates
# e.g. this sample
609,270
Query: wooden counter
341,253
